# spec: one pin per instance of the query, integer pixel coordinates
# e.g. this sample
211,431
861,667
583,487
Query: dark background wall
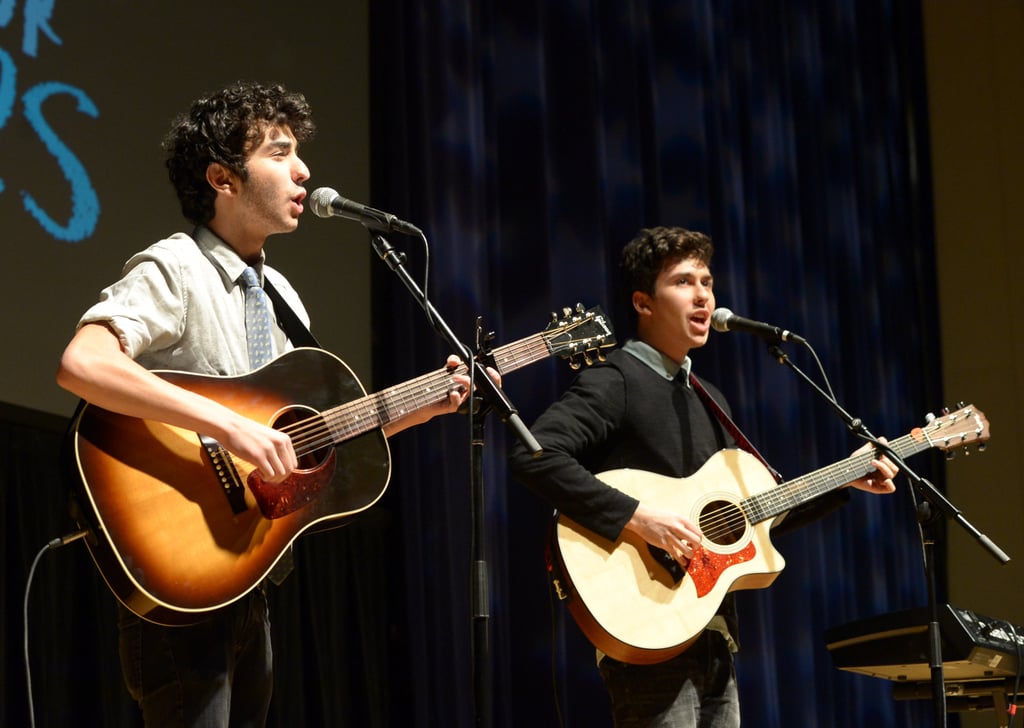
976,71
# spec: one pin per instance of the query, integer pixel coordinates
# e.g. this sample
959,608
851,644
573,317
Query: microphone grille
720,319
320,201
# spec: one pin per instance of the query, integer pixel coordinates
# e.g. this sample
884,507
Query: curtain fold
530,141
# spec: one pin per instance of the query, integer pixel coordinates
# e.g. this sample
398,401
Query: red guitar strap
741,440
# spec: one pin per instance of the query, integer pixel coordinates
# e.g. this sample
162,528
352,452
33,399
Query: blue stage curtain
530,141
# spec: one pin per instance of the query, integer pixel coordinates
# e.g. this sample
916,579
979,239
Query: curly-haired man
233,159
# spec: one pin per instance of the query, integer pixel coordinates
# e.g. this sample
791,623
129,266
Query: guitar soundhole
722,522
306,428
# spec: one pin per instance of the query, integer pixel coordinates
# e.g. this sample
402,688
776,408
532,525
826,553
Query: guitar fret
785,496
372,411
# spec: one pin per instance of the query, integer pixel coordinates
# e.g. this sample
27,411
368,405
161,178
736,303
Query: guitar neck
376,410
776,501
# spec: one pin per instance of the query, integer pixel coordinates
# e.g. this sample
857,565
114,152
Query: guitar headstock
966,426
579,335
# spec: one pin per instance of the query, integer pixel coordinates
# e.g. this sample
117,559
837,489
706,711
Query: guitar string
508,358
759,507
762,506
733,517
313,433
774,501
372,411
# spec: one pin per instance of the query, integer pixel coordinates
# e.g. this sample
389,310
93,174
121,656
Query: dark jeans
696,689
214,674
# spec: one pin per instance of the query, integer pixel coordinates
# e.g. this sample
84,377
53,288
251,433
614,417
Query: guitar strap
288,320
741,440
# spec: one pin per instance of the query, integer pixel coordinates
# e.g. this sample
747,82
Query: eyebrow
280,143
702,273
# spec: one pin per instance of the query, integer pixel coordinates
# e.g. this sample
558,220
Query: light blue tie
261,350
257,320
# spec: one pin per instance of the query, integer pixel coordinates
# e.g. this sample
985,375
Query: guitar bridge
227,474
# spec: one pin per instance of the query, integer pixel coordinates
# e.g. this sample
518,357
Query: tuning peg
982,446
950,454
600,355
574,363
579,308
587,359
567,312
929,418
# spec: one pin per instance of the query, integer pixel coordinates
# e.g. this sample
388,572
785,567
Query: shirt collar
224,256
663,365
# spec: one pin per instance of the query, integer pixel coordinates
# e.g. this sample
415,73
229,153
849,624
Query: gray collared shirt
179,305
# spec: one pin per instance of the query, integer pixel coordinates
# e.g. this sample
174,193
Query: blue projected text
85,205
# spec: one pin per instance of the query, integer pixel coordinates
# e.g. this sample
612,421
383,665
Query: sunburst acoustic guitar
178,527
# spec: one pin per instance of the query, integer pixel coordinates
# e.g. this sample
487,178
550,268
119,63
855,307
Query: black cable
821,369
54,544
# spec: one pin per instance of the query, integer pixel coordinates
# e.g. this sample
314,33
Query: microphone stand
496,400
930,511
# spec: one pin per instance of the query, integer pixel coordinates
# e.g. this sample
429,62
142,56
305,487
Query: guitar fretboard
376,410
775,501
346,421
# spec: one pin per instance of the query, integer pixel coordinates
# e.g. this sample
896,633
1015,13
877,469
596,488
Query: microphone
325,202
725,320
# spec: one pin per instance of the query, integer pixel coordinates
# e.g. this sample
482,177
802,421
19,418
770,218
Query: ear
221,179
641,303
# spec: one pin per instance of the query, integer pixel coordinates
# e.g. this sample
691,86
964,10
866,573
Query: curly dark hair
646,255
224,126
